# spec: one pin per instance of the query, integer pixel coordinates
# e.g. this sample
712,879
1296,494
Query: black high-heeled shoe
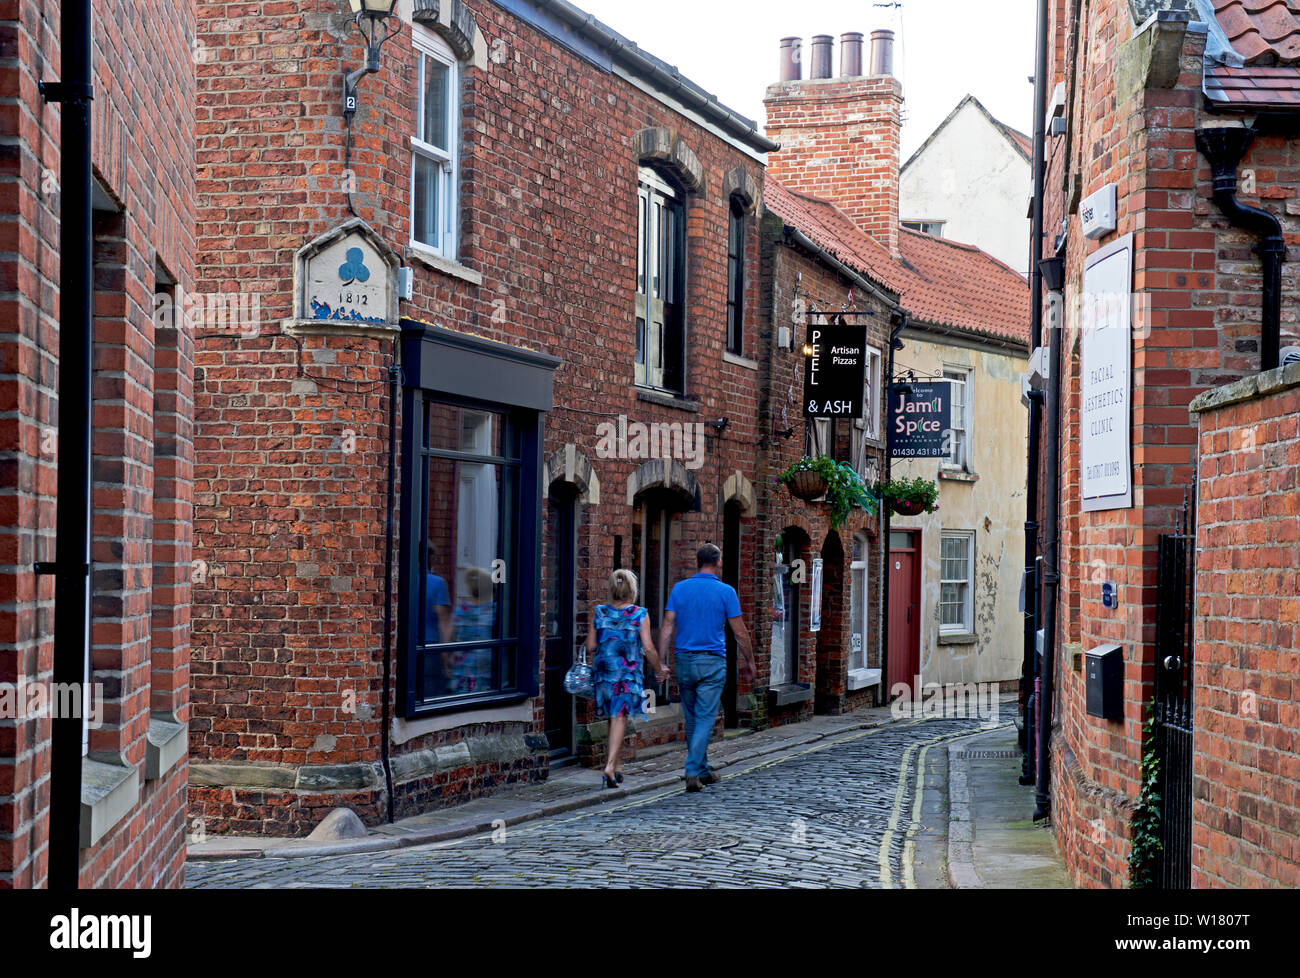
607,781
618,776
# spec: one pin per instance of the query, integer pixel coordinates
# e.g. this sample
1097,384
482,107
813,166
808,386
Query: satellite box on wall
1097,212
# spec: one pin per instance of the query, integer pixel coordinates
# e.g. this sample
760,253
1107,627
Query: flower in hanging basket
813,477
909,497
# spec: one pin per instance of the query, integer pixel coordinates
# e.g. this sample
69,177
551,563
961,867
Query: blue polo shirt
703,604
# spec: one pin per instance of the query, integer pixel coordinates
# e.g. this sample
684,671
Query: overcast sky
946,48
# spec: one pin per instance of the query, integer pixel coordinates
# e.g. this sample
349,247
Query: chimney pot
882,52
791,60
851,55
822,45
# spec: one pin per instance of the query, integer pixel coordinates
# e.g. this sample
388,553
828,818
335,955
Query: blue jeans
700,679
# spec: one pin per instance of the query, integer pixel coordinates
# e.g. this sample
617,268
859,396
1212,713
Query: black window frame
447,368
671,377
737,226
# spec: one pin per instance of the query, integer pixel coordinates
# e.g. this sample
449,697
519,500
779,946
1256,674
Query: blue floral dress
617,669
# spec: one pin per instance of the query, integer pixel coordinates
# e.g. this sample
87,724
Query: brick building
1156,97
133,769
571,388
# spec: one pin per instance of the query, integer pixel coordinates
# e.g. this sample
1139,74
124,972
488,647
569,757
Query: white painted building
971,181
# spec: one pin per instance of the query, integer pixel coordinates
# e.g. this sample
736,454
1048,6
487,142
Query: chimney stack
822,46
882,52
791,60
840,135
851,55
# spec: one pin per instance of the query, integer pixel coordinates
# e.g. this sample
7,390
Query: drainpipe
1224,147
895,332
394,375
1028,668
1051,268
71,567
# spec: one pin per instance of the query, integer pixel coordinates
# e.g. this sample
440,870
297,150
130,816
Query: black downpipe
394,376
1225,147
885,513
1028,668
72,520
1051,564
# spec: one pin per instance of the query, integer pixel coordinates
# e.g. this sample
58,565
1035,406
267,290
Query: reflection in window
468,627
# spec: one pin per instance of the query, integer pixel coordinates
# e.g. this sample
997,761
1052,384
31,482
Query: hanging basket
807,485
909,507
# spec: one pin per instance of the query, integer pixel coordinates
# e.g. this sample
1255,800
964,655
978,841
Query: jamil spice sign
835,371
920,420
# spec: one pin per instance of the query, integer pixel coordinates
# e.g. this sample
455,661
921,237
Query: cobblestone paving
838,814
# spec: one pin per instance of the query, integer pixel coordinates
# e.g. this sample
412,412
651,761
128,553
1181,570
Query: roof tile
1261,31
939,281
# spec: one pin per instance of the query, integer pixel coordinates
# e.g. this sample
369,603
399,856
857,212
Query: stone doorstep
417,830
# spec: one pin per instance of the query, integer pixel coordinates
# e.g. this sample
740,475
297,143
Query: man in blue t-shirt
698,612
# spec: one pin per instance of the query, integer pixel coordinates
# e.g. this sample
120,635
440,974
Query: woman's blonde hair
622,586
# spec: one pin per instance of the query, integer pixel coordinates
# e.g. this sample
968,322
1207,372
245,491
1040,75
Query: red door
904,608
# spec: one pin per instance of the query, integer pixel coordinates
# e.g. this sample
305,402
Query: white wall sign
1097,213
1105,419
346,280
815,602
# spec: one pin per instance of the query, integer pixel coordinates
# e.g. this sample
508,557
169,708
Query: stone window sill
667,400
109,793
958,475
790,693
165,744
863,678
956,638
432,260
740,361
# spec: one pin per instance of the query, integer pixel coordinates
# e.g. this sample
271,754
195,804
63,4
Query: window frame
869,425
967,625
924,224
737,234
860,567
651,242
960,458
427,44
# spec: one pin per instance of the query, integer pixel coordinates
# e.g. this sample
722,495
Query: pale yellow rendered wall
993,506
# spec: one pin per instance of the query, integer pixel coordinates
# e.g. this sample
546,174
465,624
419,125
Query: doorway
731,575
904,607
561,587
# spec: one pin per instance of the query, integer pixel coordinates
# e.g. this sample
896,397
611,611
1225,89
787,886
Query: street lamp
372,20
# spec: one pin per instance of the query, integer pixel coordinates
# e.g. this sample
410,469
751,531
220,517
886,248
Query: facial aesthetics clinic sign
1105,425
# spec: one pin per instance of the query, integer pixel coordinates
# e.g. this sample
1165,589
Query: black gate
1173,705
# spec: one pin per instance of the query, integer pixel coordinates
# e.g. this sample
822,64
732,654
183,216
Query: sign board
346,279
1105,395
920,419
815,597
835,373
1097,213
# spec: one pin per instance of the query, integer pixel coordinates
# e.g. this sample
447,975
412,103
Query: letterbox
1105,682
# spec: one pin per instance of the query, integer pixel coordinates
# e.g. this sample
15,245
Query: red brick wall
289,618
839,141
1196,326
1246,766
143,153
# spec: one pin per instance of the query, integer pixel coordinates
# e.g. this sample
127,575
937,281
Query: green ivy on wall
1144,855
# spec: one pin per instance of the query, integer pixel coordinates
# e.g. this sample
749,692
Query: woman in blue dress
619,632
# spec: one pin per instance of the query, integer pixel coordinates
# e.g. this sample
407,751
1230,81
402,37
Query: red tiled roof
1261,31
940,282
1257,87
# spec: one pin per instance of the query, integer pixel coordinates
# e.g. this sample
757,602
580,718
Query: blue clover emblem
354,269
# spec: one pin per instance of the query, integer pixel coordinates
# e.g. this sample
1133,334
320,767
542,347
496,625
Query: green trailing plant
918,490
1144,854
844,487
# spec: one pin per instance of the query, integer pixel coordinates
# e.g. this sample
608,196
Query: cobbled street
840,814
